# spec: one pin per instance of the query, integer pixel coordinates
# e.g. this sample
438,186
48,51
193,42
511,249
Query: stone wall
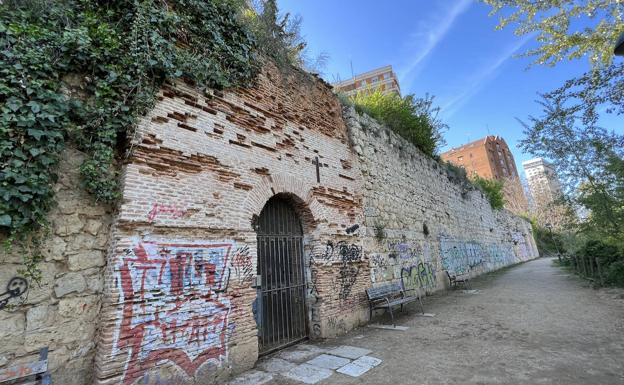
420,221
176,302
179,299
61,312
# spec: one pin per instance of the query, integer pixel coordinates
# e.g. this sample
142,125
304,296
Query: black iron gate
282,309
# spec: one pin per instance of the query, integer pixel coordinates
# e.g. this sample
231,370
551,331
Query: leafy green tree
279,36
586,156
566,29
415,119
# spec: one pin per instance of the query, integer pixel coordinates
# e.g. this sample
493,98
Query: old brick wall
428,222
178,300
61,312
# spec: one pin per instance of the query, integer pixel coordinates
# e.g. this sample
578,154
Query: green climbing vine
84,71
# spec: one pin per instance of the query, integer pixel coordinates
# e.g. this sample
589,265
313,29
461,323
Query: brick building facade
490,158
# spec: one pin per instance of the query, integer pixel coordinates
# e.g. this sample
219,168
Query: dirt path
530,324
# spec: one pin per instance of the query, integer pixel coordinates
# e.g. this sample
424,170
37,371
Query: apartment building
490,158
542,179
383,79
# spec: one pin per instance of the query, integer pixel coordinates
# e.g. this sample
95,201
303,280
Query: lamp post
619,46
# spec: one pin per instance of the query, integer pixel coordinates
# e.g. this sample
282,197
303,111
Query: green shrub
493,190
607,253
415,119
615,273
610,256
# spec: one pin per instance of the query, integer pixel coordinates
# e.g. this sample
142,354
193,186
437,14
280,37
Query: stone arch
293,189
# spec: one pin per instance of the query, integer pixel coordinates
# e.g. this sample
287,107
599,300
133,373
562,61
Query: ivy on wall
85,71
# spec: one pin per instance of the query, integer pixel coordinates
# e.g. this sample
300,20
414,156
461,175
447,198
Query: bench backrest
383,291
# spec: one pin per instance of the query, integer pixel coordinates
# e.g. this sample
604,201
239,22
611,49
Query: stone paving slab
368,361
349,352
308,374
328,361
297,355
354,370
254,377
276,365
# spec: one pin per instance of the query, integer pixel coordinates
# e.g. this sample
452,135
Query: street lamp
619,46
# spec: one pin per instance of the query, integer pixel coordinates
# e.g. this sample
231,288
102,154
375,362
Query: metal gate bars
282,310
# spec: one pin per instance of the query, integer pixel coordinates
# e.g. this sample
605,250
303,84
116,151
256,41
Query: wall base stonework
61,311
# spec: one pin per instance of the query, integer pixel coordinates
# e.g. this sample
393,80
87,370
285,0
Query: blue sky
447,48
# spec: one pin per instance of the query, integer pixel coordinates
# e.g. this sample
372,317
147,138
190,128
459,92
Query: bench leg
370,312
392,316
422,309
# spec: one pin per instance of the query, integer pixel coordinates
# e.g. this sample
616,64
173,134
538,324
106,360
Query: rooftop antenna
487,127
352,73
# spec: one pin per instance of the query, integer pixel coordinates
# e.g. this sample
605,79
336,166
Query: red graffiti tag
173,305
159,208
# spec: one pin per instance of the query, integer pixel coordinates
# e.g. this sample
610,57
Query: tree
587,158
566,29
279,36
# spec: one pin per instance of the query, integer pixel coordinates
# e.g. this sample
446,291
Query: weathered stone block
78,307
93,226
85,260
69,283
39,316
12,324
68,224
54,249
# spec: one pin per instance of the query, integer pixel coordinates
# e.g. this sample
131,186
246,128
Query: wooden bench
455,280
34,373
388,295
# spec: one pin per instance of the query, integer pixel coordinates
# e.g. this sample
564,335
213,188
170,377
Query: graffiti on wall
460,257
16,288
345,279
347,255
420,276
242,265
411,262
522,248
171,211
173,305
339,252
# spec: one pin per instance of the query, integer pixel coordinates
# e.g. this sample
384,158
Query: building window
374,79
460,158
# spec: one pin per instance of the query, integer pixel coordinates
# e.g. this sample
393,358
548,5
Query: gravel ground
530,324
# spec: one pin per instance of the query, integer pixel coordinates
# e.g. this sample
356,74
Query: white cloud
481,78
427,36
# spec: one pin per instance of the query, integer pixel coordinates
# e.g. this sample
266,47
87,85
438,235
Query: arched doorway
282,311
